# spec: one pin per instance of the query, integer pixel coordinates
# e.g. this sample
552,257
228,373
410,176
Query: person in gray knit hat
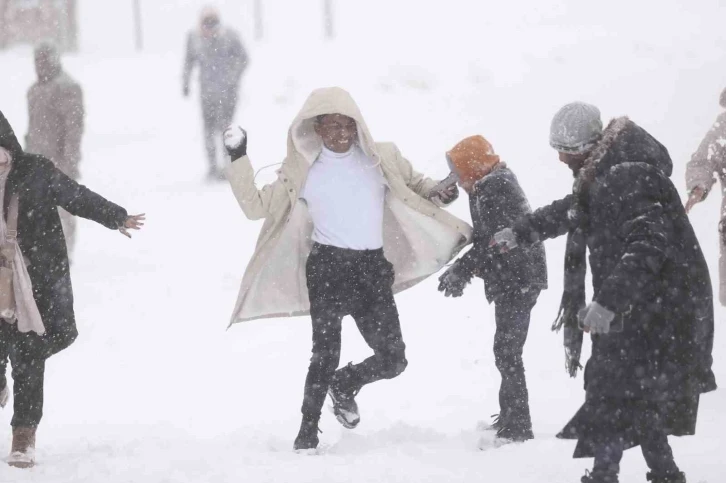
576,128
651,313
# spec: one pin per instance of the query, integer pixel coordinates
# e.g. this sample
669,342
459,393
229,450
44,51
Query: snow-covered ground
156,390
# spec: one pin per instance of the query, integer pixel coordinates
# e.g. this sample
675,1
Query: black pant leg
377,319
28,380
512,314
6,335
654,441
327,289
210,116
609,450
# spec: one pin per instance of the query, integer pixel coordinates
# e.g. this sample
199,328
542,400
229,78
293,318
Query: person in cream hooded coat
418,237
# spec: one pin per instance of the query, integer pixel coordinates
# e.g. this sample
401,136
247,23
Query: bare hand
449,194
696,196
133,222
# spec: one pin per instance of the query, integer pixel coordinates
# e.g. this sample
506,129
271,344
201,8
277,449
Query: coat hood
622,142
8,139
302,138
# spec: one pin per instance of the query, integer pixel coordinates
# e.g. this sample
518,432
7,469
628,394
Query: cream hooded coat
419,238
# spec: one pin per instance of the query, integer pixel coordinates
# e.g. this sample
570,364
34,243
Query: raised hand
235,141
695,197
133,222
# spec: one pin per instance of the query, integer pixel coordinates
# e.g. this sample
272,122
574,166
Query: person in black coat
651,317
512,282
42,188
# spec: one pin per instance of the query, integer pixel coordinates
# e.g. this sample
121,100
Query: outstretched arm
547,222
80,201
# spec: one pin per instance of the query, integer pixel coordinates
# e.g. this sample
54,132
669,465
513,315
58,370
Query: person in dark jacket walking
651,317
41,277
222,60
512,282
55,121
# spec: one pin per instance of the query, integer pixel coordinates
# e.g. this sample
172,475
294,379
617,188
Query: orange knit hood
472,158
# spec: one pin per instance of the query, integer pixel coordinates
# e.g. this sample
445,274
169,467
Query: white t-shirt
345,194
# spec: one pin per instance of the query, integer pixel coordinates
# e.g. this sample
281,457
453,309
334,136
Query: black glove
452,283
235,141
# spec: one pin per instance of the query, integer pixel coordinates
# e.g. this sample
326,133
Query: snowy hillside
156,390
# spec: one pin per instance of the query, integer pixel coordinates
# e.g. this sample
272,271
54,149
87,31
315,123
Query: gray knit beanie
575,128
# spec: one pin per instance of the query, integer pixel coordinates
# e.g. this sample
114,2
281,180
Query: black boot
342,391
679,477
307,437
510,434
599,477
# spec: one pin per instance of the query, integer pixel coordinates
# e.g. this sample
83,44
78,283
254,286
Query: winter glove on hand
504,240
235,141
595,318
452,283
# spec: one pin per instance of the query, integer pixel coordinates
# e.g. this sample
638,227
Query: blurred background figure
222,60
710,159
56,116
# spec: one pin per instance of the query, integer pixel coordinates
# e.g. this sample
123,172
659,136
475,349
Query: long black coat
647,268
496,203
42,188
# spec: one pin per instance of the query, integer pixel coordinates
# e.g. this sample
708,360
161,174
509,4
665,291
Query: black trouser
512,314
217,114
358,283
28,375
649,427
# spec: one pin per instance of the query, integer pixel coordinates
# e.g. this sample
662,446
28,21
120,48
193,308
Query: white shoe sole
347,419
22,460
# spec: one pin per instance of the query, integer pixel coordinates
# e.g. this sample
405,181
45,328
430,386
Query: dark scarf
574,295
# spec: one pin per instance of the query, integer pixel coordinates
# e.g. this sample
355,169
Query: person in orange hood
512,281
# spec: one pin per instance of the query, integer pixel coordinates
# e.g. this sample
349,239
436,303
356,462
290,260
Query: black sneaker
307,437
599,477
344,407
679,477
507,434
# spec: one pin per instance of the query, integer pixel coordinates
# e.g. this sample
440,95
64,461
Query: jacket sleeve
709,158
634,199
498,203
547,222
80,201
190,59
72,117
255,204
417,182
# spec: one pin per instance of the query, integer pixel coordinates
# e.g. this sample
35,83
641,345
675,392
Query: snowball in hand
234,136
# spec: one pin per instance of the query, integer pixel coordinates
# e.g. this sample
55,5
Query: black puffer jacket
647,267
42,188
496,203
